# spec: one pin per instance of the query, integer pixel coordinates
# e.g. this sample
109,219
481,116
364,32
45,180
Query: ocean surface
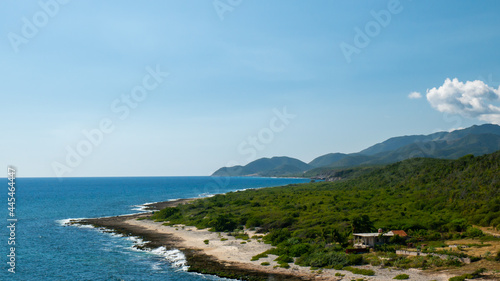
46,249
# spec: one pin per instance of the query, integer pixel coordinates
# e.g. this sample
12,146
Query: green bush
165,214
299,249
223,223
355,259
474,232
277,236
331,259
402,277
265,263
284,264
284,258
367,272
257,257
253,222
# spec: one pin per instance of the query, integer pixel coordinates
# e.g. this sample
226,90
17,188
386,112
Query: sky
181,88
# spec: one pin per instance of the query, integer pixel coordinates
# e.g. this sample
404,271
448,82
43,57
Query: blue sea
46,249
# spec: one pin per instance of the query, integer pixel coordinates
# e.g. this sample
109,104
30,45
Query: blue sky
231,73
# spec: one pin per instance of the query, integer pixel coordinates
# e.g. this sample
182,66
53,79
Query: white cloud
472,99
415,95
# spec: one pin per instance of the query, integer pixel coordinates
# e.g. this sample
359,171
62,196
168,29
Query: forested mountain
276,166
476,140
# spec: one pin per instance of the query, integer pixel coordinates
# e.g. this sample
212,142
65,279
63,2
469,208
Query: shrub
402,277
284,258
277,236
257,257
474,232
322,259
223,223
265,263
206,241
299,250
367,272
253,222
165,213
284,264
355,259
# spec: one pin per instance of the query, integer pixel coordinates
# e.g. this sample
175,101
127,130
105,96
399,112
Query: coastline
230,258
197,258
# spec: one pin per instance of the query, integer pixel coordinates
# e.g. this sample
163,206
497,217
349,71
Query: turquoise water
48,250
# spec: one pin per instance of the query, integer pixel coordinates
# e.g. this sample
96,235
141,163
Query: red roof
401,233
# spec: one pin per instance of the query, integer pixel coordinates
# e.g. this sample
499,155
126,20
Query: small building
365,240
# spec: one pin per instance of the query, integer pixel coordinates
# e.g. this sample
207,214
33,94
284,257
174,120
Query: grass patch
265,263
402,277
367,272
257,257
206,241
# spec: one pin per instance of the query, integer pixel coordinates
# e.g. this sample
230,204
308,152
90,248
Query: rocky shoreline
229,257
197,260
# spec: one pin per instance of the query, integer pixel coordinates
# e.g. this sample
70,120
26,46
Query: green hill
276,166
327,159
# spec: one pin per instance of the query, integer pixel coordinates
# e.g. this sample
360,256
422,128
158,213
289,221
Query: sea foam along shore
224,255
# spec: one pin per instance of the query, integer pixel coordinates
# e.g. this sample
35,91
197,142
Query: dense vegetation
429,198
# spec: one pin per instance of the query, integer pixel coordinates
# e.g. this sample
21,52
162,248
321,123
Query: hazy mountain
276,166
447,149
398,142
476,140
327,159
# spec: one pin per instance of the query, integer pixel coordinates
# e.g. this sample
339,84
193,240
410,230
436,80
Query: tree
362,224
223,223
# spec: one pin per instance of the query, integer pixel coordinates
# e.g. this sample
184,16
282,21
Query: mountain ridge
476,140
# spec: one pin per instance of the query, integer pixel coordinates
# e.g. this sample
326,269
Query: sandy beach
226,256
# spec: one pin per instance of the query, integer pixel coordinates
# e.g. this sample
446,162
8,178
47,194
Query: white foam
112,234
156,266
136,240
206,195
64,222
140,208
143,207
73,222
175,257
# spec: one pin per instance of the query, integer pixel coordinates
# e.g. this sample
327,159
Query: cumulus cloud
415,95
472,99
